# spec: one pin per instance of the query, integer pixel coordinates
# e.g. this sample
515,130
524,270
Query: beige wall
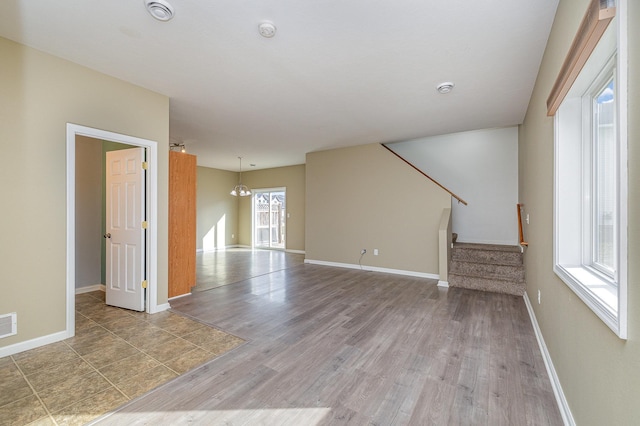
599,373
292,178
217,210
40,95
89,212
365,197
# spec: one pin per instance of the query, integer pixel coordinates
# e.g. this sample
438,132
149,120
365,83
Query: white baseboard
161,308
563,404
90,288
444,284
373,269
178,297
34,343
295,251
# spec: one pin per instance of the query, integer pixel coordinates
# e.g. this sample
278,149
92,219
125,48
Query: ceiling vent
445,87
267,29
159,9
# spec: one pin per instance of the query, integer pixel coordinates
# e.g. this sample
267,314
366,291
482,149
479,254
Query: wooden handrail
460,200
522,241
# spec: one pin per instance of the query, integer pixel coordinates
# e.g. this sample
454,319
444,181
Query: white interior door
125,253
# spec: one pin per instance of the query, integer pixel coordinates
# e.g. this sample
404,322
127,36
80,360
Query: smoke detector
267,29
445,87
159,9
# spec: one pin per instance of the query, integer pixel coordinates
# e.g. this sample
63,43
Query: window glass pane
604,202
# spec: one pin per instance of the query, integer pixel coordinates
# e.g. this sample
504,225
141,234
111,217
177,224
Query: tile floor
115,356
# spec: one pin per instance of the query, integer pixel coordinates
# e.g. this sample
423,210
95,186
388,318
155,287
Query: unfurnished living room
320,213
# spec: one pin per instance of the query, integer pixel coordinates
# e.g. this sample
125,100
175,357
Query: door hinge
145,224
144,284
145,165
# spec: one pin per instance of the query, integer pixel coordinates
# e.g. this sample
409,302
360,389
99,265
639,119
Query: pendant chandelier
240,189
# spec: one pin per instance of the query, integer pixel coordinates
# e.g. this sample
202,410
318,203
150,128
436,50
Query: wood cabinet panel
182,223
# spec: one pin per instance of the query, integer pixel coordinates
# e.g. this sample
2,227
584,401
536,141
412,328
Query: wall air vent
8,325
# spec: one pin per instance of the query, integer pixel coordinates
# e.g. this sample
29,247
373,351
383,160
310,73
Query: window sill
598,293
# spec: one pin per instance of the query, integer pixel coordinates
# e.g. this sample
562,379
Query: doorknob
107,235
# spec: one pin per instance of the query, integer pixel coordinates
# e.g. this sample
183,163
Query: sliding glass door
269,218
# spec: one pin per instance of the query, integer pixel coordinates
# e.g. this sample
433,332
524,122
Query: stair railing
523,243
460,200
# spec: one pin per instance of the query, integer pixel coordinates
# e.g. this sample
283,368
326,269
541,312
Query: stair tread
475,262
487,284
487,247
487,277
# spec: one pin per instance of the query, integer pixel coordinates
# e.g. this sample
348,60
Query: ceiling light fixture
240,189
159,9
177,146
267,29
445,87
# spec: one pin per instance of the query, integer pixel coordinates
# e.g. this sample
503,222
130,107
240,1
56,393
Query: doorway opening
151,147
270,218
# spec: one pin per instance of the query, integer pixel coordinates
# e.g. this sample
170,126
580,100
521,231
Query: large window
590,184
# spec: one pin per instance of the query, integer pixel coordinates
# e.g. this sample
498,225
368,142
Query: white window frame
604,293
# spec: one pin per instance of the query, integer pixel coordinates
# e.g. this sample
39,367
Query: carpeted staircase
487,267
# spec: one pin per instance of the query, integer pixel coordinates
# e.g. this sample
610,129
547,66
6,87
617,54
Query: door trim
74,130
255,191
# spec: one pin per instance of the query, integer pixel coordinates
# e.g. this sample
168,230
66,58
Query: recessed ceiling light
267,29
445,87
159,9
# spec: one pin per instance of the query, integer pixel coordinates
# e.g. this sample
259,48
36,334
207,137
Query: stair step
487,270
488,267
515,288
487,253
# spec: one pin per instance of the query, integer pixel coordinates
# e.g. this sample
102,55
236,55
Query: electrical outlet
538,297
375,252
527,218
233,236
363,251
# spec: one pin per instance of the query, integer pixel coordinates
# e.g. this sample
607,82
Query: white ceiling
337,73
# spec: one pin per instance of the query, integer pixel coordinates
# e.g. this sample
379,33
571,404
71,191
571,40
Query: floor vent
8,325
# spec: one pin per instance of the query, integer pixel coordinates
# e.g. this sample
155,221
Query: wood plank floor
338,346
224,267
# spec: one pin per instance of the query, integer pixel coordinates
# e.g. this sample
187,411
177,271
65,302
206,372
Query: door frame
74,130
253,217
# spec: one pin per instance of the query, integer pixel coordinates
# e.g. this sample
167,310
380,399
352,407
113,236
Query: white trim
374,269
74,130
178,297
34,343
253,217
443,284
623,82
569,255
90,288
162,307
563,404
295,251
